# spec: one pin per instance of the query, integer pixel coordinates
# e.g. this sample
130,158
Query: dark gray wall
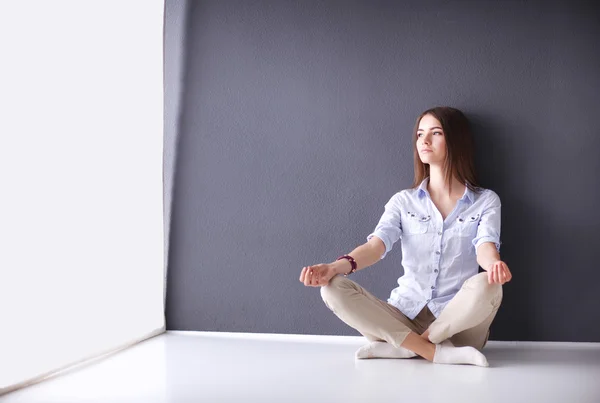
296,128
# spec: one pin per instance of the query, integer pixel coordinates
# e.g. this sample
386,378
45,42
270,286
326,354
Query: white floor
226,367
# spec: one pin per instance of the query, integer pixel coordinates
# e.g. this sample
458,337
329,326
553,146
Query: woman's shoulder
399,198
486,195
407,197
407,193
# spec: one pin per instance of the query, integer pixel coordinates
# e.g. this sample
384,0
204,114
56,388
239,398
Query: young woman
442,308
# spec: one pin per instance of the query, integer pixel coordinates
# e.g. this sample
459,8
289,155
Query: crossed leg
465,320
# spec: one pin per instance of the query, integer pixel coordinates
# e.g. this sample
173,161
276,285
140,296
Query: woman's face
431,141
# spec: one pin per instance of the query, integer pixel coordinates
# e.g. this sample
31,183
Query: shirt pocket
466,225
415,223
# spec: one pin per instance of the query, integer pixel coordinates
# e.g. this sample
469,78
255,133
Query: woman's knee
338,287
485,291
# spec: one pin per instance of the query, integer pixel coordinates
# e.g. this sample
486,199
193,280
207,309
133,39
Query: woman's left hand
499,273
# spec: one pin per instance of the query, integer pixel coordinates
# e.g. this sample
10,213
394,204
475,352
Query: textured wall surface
295,131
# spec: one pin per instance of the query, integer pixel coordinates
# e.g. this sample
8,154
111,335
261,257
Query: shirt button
433,287
437,252
440,233
436,270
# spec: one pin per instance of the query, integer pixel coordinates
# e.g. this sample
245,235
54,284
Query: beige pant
465,320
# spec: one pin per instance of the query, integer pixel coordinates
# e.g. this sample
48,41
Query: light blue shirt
437,255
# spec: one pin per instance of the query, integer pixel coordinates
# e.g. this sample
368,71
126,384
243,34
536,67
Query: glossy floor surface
226,367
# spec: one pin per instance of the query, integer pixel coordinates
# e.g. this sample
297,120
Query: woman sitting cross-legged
442,308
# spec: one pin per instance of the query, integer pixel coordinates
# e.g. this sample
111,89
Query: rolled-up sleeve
389,228
489,224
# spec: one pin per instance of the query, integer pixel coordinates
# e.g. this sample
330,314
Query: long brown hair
460,148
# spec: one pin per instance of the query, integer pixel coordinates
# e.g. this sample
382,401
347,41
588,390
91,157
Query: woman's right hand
317,275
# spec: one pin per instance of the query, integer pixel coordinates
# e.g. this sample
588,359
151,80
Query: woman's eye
419,134
437,133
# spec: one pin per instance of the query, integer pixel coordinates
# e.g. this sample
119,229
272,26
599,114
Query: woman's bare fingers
508,273
307,276
315,276
505,273
311,277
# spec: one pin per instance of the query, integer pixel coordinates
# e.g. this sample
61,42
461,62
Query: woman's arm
364,255
489,260
487,254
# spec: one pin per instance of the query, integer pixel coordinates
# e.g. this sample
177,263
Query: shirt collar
423,188
469,195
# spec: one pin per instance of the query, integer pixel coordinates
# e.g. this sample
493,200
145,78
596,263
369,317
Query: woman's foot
381,349
446,353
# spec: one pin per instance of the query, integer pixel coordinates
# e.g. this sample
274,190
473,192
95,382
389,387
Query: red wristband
352,262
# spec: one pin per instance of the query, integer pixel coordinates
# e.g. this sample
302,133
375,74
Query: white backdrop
81,211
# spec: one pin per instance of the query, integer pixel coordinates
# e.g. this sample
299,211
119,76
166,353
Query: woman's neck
438,187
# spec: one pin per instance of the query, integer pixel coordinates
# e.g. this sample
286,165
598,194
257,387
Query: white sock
446,353
381,349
